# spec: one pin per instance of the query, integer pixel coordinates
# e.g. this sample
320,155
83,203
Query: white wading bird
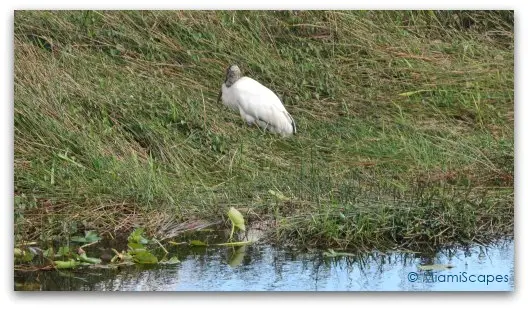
256,103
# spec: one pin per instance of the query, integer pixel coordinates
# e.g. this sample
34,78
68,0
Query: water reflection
266,268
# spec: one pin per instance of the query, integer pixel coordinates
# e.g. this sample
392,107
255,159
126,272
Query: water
268,268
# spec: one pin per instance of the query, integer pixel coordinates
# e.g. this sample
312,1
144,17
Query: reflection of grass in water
405,124
371,265
424,261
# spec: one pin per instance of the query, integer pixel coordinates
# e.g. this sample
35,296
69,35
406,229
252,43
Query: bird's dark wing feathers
292,122
289,116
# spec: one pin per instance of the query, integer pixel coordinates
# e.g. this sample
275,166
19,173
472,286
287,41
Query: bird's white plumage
258,104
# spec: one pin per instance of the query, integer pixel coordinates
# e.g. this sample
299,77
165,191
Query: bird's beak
219,97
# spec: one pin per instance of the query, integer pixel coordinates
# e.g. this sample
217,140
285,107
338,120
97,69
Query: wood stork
256,103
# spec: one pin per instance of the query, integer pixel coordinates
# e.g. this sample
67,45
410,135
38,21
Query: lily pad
90,260
66,264
145,257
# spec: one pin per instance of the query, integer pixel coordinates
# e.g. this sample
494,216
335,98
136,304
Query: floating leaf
90,260
66,264
144,257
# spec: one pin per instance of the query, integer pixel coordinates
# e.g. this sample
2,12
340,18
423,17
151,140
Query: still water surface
268,268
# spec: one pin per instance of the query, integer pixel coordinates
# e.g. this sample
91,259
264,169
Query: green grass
405,122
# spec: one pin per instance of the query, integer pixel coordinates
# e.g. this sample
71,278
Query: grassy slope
116,123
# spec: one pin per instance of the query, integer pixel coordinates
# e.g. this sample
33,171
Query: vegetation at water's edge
405,123
29,256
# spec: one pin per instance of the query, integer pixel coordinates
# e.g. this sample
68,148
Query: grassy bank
405,124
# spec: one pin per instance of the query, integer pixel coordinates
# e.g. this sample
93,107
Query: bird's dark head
233,74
